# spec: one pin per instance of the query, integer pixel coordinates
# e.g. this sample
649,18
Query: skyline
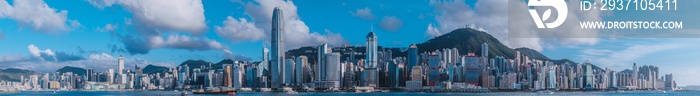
84,41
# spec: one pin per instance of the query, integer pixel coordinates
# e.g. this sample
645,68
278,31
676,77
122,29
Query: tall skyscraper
634,74
121,65
371,55
322,50
277,42
227,75
412,56
370,75
485,50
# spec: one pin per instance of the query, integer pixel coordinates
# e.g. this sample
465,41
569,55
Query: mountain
75,70
14,74
153,69
467,40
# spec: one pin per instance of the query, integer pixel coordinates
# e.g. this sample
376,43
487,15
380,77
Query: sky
45,35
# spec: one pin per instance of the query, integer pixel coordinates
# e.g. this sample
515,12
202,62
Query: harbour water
174,93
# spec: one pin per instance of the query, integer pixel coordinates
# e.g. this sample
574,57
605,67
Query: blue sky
46,35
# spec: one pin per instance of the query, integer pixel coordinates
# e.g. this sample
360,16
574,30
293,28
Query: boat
545,92
290,91
216,92
223,90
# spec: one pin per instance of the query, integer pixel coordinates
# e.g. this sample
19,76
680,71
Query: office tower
434,69
322,50
634,75
210,79
277,42
137,77
88,74
370,76
299,72
669,84
331,71
412,56
227,75
251,77
110,75
371,48
588,75
484,50
394,74
552,77
289,71
237,75
121,65
264,68
333,66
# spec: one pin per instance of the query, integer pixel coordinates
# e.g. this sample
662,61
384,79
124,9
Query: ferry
222,90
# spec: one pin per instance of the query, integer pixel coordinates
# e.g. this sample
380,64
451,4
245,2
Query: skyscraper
412,56
370,73
289,71
485,50
371,55
322,50
121,65
332,68
301,61
277,42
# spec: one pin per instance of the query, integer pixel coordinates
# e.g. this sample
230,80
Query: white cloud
186,42
37,52
432,31
143,45
101,57
108,28
391,23
37,15
364,14
163,15
160,23
239,30
296,33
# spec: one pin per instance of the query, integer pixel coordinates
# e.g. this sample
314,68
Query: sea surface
174,93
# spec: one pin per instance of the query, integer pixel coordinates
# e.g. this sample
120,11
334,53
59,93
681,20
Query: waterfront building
277,62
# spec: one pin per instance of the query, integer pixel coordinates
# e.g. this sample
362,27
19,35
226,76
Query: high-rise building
370,75
110,75
237,81
264,68
589,84
634,75
289,72
121,65
227,75
277,42
371,55
412,56
333,67
88,74
299,70
484,60
322,50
